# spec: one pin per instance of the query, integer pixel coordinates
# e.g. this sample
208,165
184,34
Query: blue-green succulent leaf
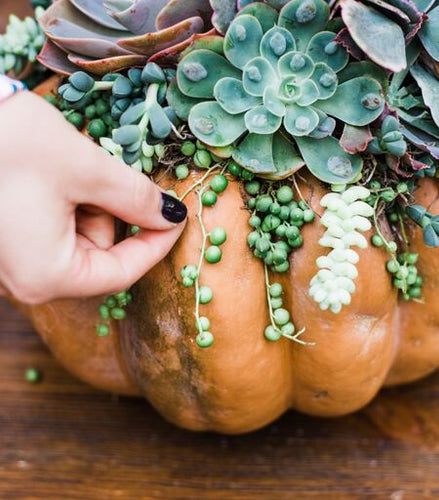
325,79
180,103
322,48
273,102
275,43
232,97
199,71
258,74
430,89
325,127
215,127
326,159
224,12
300,121
271,156
429,34
303,19
265,14
260,121
356,102
160,123
309,93
296,63
431,238
378,36
364,68
242,40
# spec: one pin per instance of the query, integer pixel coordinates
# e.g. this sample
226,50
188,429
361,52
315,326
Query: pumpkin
244,381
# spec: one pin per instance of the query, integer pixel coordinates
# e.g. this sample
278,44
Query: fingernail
173,210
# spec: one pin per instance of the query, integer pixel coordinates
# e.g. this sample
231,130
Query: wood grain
60,439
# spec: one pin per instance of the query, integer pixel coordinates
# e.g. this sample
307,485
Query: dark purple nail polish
173,210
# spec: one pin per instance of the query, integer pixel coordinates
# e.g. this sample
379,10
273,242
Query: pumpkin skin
243,381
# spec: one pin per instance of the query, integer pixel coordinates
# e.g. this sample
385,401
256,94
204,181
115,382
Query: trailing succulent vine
257,93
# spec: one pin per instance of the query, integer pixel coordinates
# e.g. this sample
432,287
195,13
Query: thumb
127,194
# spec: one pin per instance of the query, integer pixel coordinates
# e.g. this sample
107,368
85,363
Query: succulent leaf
296,63
214,126
265,14
258,74
300,121
275,43
356,102
107,65
429,34
197,73
230,94
137,16
379,37
364,68
355,139
180,103
429,88
322,48
175,11
303,19
224,12
242,40
52,57
328,161
325,80
260,121
273,102
96,11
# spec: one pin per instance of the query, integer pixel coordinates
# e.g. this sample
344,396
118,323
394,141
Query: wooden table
62,440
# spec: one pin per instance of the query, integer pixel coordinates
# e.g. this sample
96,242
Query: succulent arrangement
258,93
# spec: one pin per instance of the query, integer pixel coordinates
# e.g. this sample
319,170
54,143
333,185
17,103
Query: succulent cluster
276,221
21,43
428,222
280,78
345,218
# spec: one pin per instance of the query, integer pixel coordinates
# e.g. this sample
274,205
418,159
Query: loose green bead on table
32,375
219,183
206,295
209,198
217,236
213,254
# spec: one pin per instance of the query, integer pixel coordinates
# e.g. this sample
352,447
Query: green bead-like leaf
258,74
260,121
376,35
300,121
430,89
303,19
275,43
160,123
429,34
328,161
296,63
322,48
242,40
199,71
212,125
266,15
81,81
356,102
230,94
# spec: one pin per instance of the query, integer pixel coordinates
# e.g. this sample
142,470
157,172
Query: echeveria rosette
278,80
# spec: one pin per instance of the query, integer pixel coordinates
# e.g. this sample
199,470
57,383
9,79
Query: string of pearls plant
345,218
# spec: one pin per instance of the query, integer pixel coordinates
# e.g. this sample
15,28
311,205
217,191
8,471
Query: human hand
59,194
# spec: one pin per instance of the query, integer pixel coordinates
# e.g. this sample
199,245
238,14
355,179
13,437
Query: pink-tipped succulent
102,36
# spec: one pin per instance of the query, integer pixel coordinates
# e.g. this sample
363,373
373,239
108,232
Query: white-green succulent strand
345,218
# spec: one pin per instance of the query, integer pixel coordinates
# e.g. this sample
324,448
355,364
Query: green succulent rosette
278,86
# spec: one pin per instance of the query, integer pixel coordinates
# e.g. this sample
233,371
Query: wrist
9,87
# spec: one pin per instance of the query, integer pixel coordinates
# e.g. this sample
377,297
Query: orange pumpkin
243,381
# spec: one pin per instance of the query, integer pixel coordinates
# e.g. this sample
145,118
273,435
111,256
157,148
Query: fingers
96,227
127,194
96,271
